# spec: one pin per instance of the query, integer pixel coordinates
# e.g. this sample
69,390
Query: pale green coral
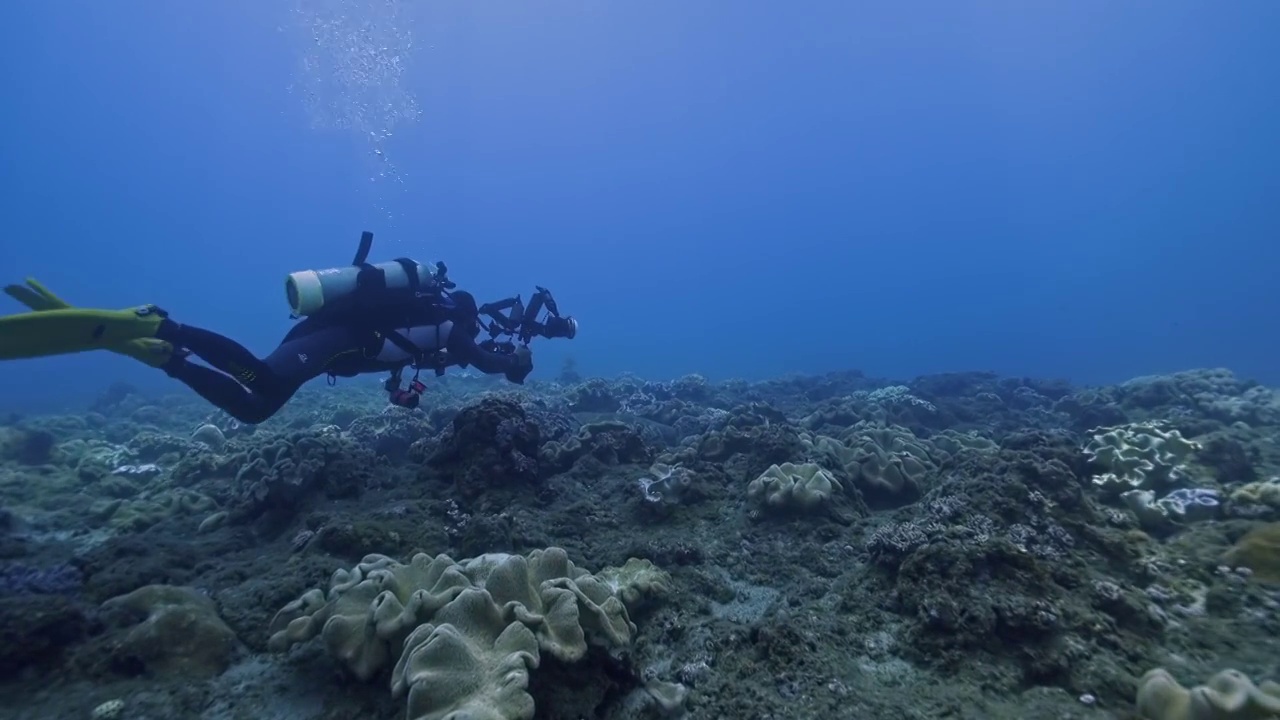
888,461
789,486
464,635
94,459
896,395
470,663
636,582
171,630
1139,456
953,442
1229,695
142,512
1264,493
1162,513
1216,392
211,436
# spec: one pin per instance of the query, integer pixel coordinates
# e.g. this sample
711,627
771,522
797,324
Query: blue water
1082,190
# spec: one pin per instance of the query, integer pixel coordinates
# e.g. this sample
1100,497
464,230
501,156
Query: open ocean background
1083,190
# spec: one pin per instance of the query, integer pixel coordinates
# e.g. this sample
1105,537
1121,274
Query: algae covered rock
26,446
277,478
171,630
745,451
35,630
1256,499
609,442
491,443
1258,550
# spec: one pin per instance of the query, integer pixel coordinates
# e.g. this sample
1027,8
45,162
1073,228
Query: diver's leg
257,389
301,359
219,351
221,390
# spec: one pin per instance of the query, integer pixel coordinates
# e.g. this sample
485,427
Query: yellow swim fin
148,351
36,296
72,330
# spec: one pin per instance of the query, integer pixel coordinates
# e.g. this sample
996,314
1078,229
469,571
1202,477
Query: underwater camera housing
511,317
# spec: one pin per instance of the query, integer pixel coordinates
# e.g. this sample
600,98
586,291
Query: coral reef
961,545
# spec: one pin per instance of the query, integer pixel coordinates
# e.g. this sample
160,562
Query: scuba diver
358,319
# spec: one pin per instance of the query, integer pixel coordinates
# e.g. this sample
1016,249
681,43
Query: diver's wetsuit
253,389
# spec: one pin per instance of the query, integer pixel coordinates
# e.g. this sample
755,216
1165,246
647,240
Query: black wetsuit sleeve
465,351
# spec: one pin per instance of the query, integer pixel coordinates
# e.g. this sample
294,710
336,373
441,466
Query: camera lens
565,327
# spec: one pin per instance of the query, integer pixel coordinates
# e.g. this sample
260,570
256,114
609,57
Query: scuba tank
309,291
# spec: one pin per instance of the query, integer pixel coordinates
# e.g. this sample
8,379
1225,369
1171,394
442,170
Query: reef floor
954,546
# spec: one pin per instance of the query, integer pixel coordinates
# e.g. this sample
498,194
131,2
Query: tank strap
373,278
400,341
434,359
415,353
371,281
362,250
411,272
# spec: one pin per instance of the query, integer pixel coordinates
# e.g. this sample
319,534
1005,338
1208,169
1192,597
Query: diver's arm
490,359
515,365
